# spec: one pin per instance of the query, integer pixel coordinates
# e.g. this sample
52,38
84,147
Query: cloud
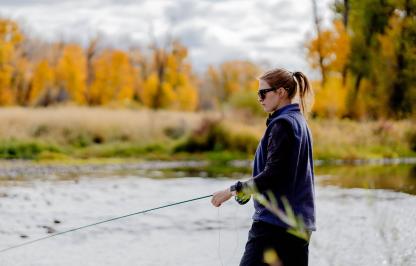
213,30
4,3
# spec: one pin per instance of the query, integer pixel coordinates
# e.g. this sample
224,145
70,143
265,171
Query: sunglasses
262,93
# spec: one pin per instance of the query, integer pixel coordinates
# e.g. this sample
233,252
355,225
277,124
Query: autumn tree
368,19
374,50
341,9
90,54
319,50
169,83
114,78
42,81
10,39
71,73
333,48
231,77
139,66
402,30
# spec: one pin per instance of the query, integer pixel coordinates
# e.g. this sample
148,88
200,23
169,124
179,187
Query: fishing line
229,260
101,222
219,237
237,239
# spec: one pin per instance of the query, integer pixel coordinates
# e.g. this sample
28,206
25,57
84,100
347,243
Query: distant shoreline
79,133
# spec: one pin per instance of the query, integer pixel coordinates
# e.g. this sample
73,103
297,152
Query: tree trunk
317,22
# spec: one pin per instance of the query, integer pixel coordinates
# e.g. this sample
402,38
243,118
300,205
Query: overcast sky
264,31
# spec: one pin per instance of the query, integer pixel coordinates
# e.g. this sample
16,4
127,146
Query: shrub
22,150
246,100
214,135
412,140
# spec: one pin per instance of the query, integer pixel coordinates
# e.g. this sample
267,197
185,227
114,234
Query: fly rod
101,222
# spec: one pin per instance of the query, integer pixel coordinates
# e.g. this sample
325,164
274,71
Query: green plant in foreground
295,223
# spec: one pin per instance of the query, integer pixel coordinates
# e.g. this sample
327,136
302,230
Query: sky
269,32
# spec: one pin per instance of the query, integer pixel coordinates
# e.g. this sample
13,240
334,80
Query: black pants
262,236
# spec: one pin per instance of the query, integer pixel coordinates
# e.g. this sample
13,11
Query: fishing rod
101,222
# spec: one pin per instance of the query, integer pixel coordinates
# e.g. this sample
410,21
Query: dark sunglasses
262,93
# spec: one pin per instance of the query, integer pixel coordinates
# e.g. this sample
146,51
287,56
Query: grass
67,133
349,140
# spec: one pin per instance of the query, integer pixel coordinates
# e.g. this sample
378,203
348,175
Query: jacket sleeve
278,151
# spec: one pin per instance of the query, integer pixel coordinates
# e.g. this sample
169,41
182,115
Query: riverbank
77,133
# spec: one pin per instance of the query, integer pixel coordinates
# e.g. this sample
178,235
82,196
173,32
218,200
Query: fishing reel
242,198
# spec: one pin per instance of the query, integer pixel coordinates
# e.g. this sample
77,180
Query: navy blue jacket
283,164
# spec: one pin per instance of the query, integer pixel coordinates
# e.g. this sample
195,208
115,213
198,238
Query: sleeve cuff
237,187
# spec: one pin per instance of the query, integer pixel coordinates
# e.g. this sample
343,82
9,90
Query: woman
283,165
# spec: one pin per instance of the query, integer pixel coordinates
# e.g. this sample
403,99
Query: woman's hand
221,196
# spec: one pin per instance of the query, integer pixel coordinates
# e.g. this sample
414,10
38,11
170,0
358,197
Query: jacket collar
294,107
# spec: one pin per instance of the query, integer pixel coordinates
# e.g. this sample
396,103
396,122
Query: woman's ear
281,91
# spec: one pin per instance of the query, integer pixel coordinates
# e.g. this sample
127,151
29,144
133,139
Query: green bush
214,135
80,140
412,140
119,150
246,100
174,132
24,150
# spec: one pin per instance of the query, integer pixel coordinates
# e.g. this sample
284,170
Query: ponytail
302,83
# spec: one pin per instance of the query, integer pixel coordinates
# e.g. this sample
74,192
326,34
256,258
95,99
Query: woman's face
272,99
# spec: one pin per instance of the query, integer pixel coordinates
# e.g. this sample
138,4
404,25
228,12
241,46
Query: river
366,215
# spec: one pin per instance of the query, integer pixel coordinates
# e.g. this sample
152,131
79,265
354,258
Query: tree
42,81
319,43
330,51
368,19
90,54
71,73
403,93
114,78
169,82
231,77
10,39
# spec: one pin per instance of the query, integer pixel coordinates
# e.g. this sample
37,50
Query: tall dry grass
65,125
348,139
122,129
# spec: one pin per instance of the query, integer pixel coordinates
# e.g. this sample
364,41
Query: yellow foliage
6,52
10,32
170,83
187,98
71,72
6,94
341,47
114,78
43,77
10,38
232,77
330,100
333,45
167,96
149,90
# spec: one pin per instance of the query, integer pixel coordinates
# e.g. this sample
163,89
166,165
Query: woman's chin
266,109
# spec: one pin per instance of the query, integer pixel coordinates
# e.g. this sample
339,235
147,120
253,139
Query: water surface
366,215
